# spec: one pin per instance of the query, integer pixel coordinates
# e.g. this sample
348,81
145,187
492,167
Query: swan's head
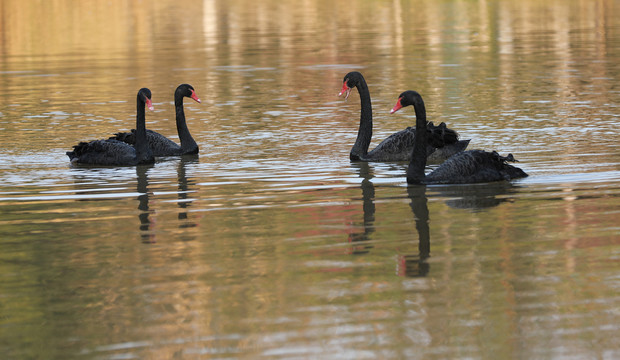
405,99
187,90
145,95
350,81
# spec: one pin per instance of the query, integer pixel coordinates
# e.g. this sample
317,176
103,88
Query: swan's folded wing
103,152
396,147
474,166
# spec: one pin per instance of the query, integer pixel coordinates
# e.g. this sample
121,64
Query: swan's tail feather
441,135
126,137
78,150
509,172
505,159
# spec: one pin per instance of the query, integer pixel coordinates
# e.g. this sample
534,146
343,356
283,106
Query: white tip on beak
347,92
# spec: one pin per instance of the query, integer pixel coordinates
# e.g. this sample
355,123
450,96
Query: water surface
271,243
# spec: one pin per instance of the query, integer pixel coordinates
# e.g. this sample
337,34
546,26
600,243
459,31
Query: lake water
271,244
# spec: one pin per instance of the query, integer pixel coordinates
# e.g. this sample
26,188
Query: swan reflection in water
470,197
183,187
414,265
148,237
368,199
476,197
146,233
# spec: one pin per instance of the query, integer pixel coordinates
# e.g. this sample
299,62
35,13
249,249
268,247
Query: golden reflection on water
64,27
470,59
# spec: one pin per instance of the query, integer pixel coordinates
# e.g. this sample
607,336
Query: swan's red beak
149,104
345,90
195,97
397,107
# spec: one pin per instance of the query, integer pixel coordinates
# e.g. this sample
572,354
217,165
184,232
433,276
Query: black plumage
113,152
161,145
396,147
467,167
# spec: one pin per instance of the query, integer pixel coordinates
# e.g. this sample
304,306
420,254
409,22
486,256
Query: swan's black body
467,167
113,152
398,146
161,145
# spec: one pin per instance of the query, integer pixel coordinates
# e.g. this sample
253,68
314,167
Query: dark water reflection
184,202
368,200
143,206
477,197
271,243
416,265
409,265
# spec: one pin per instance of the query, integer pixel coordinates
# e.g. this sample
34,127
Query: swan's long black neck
364,134
143,151
415,172
187,141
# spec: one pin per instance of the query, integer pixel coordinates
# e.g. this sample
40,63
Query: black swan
114,152
398,146
161,145
467,167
